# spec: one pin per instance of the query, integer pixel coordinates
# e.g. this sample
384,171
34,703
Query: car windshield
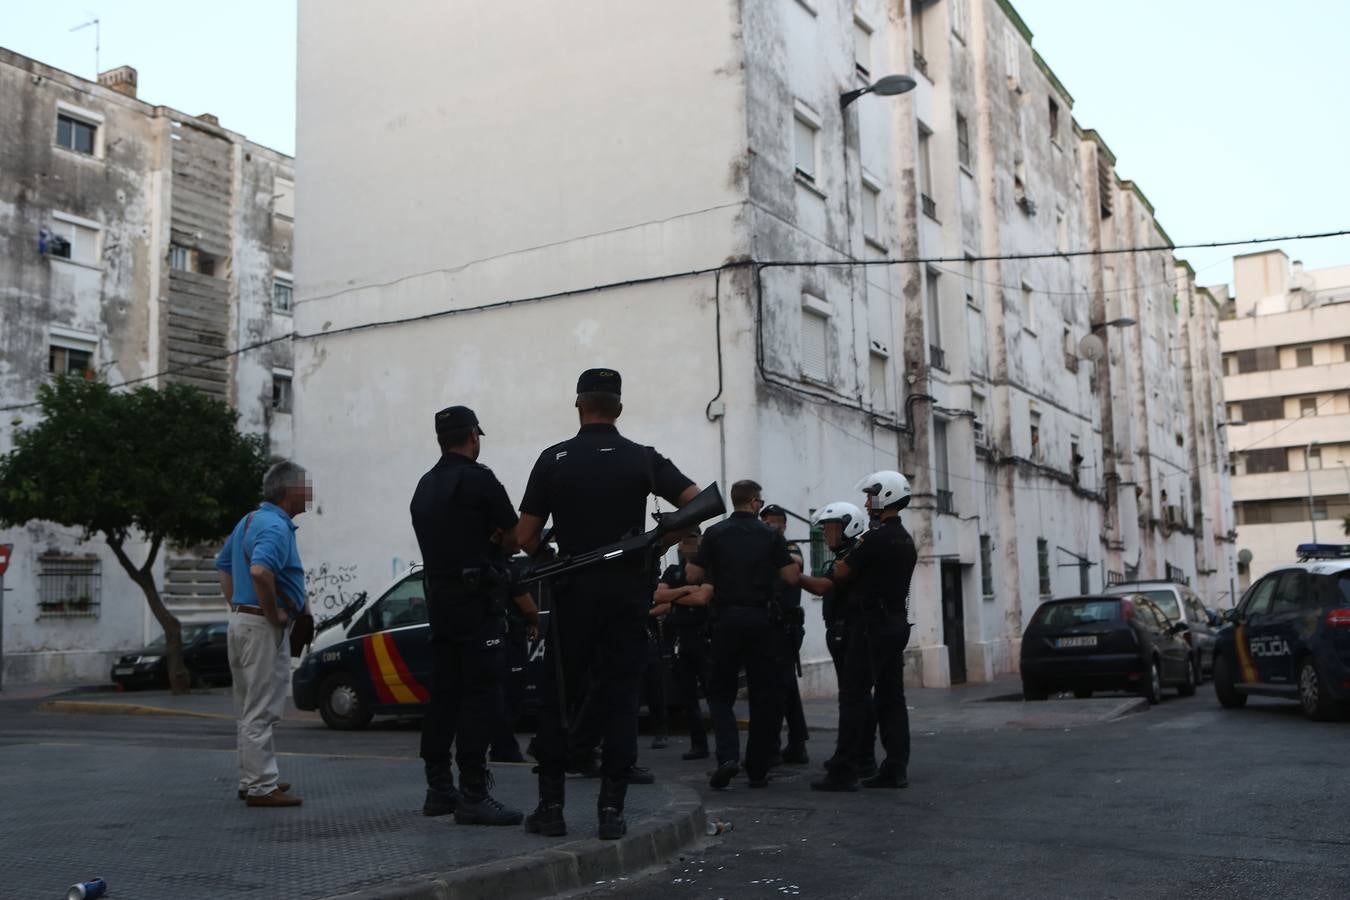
1166,601
190,633
1077,612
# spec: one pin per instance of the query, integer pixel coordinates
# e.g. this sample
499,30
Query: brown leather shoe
276,798
281,786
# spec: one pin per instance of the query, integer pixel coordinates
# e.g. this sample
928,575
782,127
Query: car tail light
1127,610
1339,618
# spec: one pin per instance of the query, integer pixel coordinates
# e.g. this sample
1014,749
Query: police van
374,658
1290,636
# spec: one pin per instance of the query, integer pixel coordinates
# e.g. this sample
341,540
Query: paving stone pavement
163,823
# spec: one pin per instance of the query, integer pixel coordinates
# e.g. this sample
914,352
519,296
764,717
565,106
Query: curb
1134,704
562,868
122,709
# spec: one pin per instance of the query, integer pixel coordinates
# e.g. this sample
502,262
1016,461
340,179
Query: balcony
946,504
937,358
1332,480
1295,382
1321,429
929,206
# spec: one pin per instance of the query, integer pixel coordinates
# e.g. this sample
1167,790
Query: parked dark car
1105,643
1181,604
204,654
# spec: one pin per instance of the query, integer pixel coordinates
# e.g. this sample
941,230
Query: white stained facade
1286,353
675,192
136,242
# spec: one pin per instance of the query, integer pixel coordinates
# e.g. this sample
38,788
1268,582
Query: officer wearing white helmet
876,574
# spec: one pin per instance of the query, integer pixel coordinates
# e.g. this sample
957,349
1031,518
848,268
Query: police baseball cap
773,509
455,417
600,381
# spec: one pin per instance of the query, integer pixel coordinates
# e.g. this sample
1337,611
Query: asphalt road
1184,799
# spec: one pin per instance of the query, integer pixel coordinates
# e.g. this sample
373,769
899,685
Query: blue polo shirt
270,543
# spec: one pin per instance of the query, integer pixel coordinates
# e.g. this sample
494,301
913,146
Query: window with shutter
815,335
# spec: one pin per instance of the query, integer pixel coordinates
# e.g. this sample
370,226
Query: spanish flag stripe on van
385,651
373,667
421,694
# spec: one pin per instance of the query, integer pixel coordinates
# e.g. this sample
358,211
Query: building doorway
954,621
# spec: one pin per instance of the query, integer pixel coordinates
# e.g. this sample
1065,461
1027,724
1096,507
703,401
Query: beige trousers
260,663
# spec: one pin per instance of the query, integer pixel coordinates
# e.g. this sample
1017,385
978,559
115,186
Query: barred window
1043,565
68,587
987,565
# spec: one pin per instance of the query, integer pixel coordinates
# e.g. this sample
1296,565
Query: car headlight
146,660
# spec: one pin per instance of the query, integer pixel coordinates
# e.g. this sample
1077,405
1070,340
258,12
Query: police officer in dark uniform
687,625
744,560
792,631
877,572
464,524
595,486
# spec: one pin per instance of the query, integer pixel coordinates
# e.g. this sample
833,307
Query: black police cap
600,381
455,417
773,509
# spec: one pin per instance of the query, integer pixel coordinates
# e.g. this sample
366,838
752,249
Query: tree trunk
179,681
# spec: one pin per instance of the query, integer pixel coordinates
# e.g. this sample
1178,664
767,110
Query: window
1303,356
1312,458
987,566
69,360
281,390
1028,308
942,477
1054,121
1307,406
1263,410
178,257
405,605
925,173
1011,53
282,293
1070,351
1036,436
916,18
804,144
962,140
1075,462
68,586
76,134
972,282
1258,601
815,339
878,365
1319,510
1289,594
1262,359
862,48
1260,462
1043,565
1345,352
871,203
931,292
977,423
76,241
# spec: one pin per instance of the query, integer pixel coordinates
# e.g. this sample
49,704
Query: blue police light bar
1324,551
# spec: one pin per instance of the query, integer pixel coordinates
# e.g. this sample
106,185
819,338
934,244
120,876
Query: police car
374,658
1290,636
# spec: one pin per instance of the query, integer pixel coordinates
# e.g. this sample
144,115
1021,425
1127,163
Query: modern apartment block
138,242
796,288
1286,355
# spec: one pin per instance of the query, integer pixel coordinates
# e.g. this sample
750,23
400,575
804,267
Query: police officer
792,631
464,525
842,523
595,486
877,573
744,559
686,622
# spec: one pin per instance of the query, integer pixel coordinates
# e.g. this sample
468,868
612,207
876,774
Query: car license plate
123,670
1088,641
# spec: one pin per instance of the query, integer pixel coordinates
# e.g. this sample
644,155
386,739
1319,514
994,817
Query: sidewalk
212,703
164,822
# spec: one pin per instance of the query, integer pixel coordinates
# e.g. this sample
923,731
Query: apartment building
796,288
143,244
1286,355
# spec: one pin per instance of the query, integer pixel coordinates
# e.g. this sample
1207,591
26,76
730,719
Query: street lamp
1307,469
887,86
1122,322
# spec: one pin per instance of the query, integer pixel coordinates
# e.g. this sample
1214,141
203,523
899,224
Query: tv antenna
97,40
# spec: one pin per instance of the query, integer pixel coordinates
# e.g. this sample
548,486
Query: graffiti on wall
329,588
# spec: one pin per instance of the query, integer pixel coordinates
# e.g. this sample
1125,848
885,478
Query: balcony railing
929,206
946,504
937,358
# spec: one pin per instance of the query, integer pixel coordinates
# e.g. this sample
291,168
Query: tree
168,464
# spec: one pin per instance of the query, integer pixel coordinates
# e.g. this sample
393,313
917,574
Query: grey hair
280,478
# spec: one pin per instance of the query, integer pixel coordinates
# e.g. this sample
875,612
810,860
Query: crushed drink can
87,890
716,827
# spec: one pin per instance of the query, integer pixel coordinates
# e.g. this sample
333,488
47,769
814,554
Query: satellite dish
1245,557
1091,347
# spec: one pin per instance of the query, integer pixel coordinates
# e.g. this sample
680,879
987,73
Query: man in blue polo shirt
264,582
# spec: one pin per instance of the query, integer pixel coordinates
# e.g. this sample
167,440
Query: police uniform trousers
797,734
873,676
511,691
597,637
654,682
744,638
467,668
836,640
692,672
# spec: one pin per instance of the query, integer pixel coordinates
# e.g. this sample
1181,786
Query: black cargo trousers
873,680
743,637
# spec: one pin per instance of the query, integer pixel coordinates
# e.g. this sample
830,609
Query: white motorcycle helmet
853,518
886,488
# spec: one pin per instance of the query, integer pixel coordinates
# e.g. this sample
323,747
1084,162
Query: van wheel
1152,686
342,704
1224,688
1312,694
1187,687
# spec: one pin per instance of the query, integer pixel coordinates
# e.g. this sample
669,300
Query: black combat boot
547,818
838,778
442,798
795,755
609,806
478,807
887,777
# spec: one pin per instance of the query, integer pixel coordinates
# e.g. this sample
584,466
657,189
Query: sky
1231,115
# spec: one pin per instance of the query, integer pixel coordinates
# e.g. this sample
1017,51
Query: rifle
707,504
